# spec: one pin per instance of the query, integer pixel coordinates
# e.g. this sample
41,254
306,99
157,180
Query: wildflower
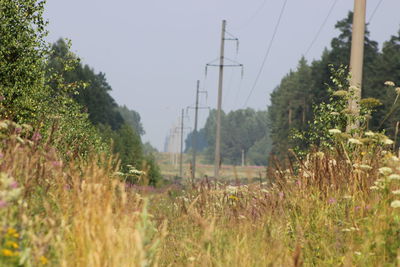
7,252
13,185
3,204
369,134
365,167
395,204
374,187
43,260
36,136
11,231
389,83
396,192
355,141
332,201
233,198
335,131
12,244
385,170
340,93
387,141
394,177
56,163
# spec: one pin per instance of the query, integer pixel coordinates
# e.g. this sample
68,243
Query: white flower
395,204
365,167
369,133
335,131
387,141
394,177
389,83
355,141
385,170
396,192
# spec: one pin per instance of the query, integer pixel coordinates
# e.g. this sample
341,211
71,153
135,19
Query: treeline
293,100
66,102
243,131
264,133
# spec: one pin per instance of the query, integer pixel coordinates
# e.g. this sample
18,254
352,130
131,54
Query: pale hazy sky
153,51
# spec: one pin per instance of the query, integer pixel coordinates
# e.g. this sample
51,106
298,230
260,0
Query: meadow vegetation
70,197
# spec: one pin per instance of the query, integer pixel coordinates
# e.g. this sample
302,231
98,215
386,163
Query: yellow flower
11,231
7,252
233,197
43,260
12,244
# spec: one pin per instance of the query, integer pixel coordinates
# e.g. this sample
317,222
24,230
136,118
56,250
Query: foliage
240,130
311,82
132,118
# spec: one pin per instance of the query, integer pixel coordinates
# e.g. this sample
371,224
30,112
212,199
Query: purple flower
3,204
332,200
14,185
36,136
56,163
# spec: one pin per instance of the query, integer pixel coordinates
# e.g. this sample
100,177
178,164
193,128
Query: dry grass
327,210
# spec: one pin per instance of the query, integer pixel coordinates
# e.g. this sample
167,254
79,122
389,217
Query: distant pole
357,58
242,157
194,137
220,85
181,152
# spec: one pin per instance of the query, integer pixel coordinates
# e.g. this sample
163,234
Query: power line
376,9
255,14
321,27
268,51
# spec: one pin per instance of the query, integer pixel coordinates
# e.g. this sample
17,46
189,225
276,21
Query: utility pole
181,152
221,66
194,137
195,133
242,157
357,58
219,107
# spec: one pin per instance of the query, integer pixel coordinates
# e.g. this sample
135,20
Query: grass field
169,164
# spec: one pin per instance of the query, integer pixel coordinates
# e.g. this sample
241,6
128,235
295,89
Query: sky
154,51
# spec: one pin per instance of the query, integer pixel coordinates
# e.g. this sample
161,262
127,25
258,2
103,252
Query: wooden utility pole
194,137
219,107
357,59
181,152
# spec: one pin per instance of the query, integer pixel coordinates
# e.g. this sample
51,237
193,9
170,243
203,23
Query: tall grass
71,214
331,208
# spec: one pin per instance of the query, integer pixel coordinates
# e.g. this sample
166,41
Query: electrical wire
255,14
267,53
376,9
321,27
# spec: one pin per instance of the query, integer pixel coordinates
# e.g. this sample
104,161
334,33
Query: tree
132,118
